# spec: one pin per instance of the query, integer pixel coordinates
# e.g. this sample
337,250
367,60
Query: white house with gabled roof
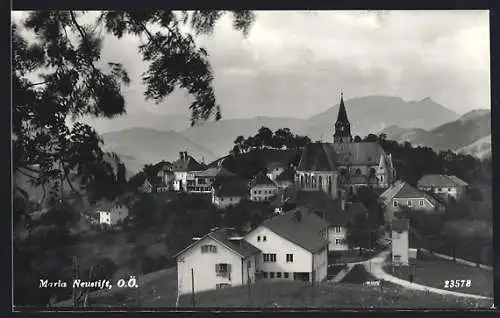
294,246
219,259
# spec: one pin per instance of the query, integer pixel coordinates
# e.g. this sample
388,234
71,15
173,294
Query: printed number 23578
457,283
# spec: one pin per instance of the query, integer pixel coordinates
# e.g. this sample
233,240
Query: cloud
294,63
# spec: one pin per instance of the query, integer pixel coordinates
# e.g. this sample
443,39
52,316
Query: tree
73,86
371,138
264,135
357,139
363,233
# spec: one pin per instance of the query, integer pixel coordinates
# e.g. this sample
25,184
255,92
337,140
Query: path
376,270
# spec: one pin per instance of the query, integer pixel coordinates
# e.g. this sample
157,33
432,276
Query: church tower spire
342,126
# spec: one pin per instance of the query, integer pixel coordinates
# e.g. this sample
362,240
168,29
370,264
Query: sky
296,63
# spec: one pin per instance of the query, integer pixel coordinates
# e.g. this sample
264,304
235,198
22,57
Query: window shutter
229,271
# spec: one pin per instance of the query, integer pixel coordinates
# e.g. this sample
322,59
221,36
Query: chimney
181,155
185,156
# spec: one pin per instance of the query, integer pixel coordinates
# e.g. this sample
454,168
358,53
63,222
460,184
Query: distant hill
140,146
373,113
219,136
156,141
470,133
146,120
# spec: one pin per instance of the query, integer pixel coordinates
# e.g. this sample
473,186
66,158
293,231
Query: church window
302,181
381,178
320,181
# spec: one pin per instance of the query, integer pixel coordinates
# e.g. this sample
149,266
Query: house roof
215,172
303,232
240,247
232,187
261,179
188,164
358,153
315,200
403,190
440,180
318,157
400,225
274,165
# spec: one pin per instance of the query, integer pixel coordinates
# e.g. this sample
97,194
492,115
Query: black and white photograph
191,160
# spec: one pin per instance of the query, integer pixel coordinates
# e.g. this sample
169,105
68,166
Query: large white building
217,260
185,170
111,213
293,246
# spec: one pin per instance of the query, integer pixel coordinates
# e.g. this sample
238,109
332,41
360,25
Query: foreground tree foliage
60,79
75,83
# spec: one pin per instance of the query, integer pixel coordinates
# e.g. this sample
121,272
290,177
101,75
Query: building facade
216,260
400,243
112,213
443,186
262,189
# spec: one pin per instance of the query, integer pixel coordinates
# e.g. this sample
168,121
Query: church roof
318,157
261,179
358,153
342,115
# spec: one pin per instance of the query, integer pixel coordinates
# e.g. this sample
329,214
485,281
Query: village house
205,179
293,246
229,192
185,169
286,178
402,195
167,176
111,213
154,185
219,259
262,189
274,169
443,186
400,244
344,165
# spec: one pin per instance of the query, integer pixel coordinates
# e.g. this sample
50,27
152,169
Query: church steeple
342,126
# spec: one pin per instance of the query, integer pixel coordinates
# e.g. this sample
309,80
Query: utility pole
312,286
192,288
249,285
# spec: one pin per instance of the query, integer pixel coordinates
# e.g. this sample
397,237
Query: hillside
471,134
159,290
140,146
219,136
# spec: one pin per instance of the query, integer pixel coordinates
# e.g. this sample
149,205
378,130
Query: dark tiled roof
358,153
232,187
261,179
274,165
400,225
242,247
318,157
315,200
287,175
303,232
440,180
189,164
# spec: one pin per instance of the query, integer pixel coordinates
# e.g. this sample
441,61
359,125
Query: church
344,165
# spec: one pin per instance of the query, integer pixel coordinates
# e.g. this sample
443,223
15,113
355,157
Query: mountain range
470,134
147,138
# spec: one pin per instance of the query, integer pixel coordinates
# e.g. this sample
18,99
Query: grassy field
159,290
432,271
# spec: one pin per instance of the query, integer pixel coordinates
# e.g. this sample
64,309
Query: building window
269,258
264,274
259,192
209,249
409,202
439,189
289,258
258,238
449,189
338,229
395,203
421,202
397,258
278,275
222,285
381,178
338,241
285,275
223,270
271,274
264,238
